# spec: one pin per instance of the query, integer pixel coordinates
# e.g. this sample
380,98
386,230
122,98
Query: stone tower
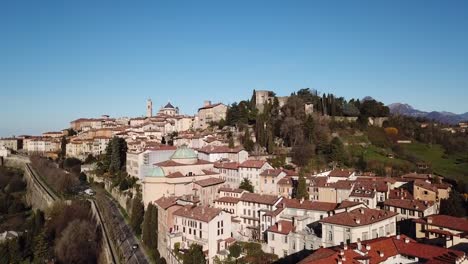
149,108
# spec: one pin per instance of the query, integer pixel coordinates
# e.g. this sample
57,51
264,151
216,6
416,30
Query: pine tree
302,188
63,147
41,248
138,212
246,185
194,255
146,237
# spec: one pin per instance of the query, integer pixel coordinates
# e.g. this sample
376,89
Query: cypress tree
302,188
146,237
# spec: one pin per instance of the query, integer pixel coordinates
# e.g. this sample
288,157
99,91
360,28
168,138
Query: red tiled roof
228,199
347,204
176,174
340,173
287,180
227,189
286,227
358,217
400,193
259,198
200,213
427,252
209,106
307,205
416,205
342,185
271,172
450,222
166,202
425,185
209,182
252,164
227,165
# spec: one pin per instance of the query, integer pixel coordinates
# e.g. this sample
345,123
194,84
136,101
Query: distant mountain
443,117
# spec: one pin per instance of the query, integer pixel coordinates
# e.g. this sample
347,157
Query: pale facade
210,113
251,170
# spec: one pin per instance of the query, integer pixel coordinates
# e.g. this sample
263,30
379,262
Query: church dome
155,172
185,155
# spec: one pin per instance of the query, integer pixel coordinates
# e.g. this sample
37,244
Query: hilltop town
304,178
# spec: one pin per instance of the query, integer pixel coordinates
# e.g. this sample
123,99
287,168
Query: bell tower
149,108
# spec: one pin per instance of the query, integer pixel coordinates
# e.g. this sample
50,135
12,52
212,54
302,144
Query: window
411,212
365,236
272,237
272,250
374,233
381,231
285,239
403,211
200,234
285,253
330,235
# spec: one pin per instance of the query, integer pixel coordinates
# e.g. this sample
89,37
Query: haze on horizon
61,61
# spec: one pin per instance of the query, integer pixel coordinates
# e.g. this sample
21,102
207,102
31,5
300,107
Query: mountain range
442,117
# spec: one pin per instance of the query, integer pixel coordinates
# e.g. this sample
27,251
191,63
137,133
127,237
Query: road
125,236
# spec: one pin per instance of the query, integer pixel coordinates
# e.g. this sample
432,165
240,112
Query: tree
41,248
235,250
138,212
63,147
246,184
194,255
78,243
146,237
302,192
455,205
337,151
302,153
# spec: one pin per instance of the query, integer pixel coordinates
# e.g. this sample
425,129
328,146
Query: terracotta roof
358,217
347,204
227,189
287,180
416,205
227,165
285,226
340,173
209,182
380,186
228,199
454,223
400,193
361,191
176,174
307,205
200,213
209,106
425,185
166,202
259,198
342,185
271,172
382,250
252,164
220,149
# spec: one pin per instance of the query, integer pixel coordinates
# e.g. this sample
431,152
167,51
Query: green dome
155,172
184,153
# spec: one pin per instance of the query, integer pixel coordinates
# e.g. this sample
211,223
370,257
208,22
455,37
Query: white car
89,192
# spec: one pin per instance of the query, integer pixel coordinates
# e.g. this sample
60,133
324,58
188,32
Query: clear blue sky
60,60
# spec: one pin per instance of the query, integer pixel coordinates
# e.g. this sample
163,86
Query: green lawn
452,166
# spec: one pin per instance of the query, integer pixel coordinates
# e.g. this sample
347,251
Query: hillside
442,117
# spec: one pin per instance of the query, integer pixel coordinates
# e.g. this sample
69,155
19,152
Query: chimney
280,227
341,252
359,245
206,103
358,221
381,254
407,240
345,247
429,220
302,200
398,237
368,247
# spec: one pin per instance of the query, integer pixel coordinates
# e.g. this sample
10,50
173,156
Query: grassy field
450,166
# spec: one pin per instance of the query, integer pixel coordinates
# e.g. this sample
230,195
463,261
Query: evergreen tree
194,255
302,188
146,235
63,147
246,185
337,151
455,205
41,248
138,212
235,251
